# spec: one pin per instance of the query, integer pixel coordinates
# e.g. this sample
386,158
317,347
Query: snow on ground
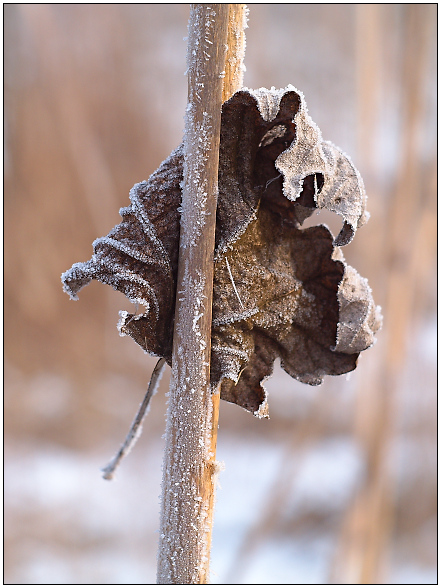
74,527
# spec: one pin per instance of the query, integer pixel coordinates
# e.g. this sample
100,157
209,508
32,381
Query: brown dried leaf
279,291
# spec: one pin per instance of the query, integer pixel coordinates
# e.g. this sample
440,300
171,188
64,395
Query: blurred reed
408,209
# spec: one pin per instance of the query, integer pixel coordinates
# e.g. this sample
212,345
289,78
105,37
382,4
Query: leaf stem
135,429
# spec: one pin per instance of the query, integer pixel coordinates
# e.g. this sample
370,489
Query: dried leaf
279,291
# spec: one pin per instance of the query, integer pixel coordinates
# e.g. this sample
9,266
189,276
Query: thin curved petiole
136,428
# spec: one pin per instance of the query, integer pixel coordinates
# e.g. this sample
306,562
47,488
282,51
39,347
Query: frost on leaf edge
343,191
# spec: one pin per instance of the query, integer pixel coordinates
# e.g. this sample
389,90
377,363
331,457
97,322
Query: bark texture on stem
188,470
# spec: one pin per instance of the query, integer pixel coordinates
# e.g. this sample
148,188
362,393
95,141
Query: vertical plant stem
234,60
189,461
232,82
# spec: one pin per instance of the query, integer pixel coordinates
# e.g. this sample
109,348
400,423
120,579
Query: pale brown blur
95,97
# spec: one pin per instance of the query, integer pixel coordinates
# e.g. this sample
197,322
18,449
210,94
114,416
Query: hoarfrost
282,291
188,452
343,190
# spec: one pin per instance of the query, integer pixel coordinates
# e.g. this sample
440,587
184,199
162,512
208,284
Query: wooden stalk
189,469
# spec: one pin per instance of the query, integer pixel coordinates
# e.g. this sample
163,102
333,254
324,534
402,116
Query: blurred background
339,486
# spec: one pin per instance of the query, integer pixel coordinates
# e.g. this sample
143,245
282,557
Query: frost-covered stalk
188,470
